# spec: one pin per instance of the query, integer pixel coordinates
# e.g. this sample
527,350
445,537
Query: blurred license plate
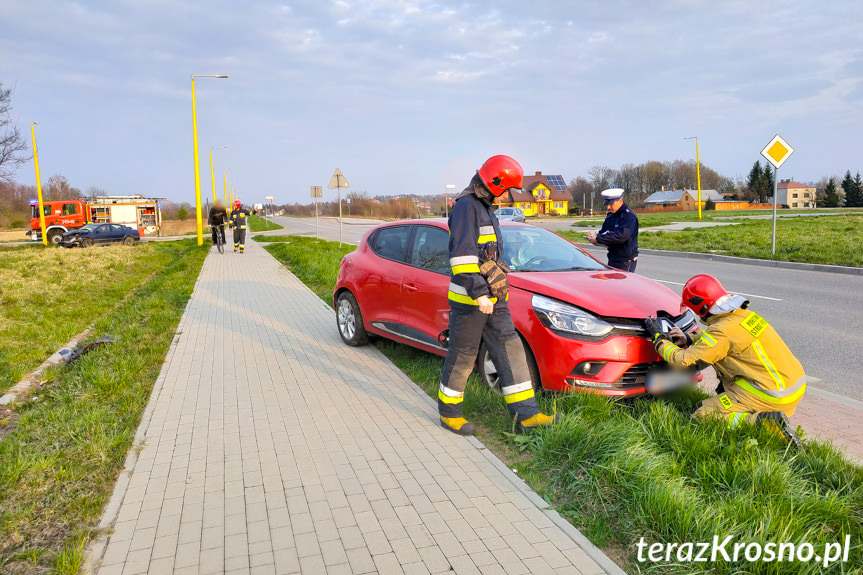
659,382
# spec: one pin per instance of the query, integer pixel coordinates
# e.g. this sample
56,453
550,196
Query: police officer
478,295
619,232
760,379
239,221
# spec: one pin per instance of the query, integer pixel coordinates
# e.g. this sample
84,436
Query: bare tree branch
13,146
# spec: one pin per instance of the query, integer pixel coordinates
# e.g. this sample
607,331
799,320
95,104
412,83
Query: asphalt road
819,314
328,228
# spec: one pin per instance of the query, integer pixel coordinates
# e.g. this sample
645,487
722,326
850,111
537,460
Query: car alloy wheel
129,241
347,321
350,321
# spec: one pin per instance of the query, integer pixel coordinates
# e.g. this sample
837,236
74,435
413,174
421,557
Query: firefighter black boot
458,425
779,421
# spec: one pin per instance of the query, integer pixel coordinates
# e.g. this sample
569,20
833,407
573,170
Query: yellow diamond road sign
777,151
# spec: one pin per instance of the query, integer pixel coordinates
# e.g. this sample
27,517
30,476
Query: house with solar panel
542,195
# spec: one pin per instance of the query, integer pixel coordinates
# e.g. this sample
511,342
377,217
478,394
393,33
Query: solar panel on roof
556,182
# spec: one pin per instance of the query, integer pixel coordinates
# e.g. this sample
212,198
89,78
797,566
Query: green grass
824,240
59,466
49,295
259,224
643,468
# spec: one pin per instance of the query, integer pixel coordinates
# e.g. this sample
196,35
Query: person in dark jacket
239,222
217,219
478,294
619,232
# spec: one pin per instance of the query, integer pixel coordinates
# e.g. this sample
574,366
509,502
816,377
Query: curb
800,266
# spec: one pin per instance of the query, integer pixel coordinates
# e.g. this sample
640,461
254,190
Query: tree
58,188
709,204
759,183
182,214
858,187
13,146
831,195
853,188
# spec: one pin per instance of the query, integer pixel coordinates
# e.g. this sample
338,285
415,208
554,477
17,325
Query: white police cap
611,195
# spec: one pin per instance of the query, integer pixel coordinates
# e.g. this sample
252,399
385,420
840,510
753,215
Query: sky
406,96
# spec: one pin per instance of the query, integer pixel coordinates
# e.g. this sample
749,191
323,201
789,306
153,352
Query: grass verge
58,468
832,240
259,224
49,295
624,470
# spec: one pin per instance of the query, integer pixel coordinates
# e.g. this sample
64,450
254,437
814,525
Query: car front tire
129,241
87,242
488,372
349,320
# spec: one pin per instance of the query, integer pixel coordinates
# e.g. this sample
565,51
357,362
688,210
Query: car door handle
410,287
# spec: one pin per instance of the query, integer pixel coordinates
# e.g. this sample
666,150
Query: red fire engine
138,212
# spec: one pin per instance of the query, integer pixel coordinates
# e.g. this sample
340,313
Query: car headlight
568,318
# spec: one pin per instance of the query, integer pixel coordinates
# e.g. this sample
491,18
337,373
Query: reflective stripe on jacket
746,351
472,224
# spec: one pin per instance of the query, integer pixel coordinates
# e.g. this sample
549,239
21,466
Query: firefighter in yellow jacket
760,379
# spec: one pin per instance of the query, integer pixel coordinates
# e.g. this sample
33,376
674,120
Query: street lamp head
691,138
35,123
209,76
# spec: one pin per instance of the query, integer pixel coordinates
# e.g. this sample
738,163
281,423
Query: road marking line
737,292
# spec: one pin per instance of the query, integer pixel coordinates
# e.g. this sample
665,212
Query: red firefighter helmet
701,294
238,204
500,173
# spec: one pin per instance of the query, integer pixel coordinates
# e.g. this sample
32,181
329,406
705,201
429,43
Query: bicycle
220,238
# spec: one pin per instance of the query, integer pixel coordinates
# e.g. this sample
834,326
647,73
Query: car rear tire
87,242
54,236
488,372
129,241
349,320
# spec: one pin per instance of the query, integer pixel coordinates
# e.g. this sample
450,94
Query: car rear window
431,249
390,243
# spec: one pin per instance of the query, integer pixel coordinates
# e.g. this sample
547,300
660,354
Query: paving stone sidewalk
269,446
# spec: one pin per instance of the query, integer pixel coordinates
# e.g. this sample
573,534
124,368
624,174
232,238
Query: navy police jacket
472,225
620,233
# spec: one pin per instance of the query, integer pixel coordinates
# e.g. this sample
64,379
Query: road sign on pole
776,152
337,182
317,192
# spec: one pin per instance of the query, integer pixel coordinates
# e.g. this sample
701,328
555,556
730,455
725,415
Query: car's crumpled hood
608,293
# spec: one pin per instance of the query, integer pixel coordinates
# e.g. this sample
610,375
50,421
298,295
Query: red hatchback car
580,321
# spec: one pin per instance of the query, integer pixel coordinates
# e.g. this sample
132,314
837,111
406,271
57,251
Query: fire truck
64,215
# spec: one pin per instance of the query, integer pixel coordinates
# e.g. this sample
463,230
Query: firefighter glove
654,328
496,279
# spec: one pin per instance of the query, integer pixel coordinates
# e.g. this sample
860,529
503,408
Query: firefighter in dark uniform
217,219
619,232
239,222
478,295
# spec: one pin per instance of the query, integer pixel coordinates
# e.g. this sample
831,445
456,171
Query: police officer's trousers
624,265
467,328
239,238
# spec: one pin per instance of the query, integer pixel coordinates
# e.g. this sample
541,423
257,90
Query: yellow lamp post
212,174
39,185
697,171
197,167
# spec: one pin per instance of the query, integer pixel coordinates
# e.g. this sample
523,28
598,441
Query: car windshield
532,249
504,212
87,228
